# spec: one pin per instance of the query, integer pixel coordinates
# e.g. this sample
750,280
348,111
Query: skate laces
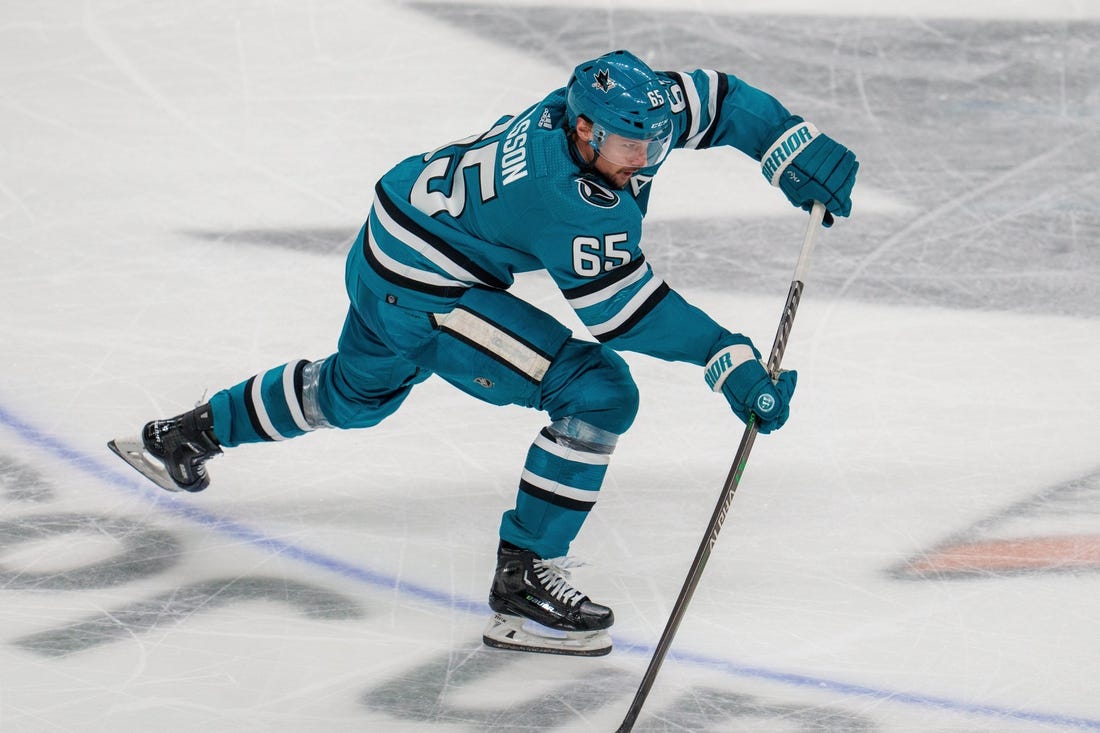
554,576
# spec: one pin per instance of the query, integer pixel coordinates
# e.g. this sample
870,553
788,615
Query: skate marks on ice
318,240
1055,531
74,551
981,131
21,482
508,691
137,550
180,604
464,687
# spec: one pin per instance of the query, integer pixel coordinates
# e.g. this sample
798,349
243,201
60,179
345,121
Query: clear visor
628,152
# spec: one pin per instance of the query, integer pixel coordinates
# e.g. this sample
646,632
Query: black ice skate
171,452
536,610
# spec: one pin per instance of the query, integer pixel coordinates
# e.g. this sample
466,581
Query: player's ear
584,129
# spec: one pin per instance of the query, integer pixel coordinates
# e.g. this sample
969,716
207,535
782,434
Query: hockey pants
493,346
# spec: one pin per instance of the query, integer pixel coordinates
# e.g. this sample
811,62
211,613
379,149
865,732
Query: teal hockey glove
808,165
736,372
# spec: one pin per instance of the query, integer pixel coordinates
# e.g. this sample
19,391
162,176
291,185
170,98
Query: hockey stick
794,295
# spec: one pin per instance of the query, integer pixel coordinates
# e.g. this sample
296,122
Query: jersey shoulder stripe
406,229
691,106
402,275
719,88
704,91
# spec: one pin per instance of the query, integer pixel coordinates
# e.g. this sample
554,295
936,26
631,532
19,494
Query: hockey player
562,187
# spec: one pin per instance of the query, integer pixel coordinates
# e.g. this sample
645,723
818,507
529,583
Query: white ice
337,582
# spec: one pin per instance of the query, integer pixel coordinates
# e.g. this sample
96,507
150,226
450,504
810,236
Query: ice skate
171,452
536,610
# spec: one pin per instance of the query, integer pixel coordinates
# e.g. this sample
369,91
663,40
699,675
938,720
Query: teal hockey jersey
518,198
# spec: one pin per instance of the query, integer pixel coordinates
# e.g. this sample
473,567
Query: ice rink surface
918,550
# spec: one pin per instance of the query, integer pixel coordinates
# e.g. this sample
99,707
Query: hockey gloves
736,372
808,165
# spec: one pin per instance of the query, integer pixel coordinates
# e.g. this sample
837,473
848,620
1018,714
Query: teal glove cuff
738,374
726,361
808,165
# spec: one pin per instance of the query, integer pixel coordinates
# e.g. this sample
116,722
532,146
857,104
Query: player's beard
615,175
622,177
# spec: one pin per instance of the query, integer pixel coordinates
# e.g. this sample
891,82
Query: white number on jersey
435,202
591,256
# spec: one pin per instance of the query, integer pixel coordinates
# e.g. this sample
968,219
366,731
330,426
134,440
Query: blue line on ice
232,528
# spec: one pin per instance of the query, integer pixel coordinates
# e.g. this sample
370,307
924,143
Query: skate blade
133,452
520,634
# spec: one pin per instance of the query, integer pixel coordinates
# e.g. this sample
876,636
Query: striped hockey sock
560,484
265,407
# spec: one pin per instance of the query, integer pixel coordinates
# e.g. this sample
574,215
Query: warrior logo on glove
784,149
807,165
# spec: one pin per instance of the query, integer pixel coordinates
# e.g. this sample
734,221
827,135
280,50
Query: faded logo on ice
1054,531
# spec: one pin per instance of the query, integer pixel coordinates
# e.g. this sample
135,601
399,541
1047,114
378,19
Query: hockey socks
560,483
266,407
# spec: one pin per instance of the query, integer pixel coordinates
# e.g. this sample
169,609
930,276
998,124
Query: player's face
618,158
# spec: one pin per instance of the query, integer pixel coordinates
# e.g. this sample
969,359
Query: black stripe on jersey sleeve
611,278
406,222
443,291
650,303
719,98
556,499
689,113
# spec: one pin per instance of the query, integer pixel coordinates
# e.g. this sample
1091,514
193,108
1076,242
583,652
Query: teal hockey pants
493,346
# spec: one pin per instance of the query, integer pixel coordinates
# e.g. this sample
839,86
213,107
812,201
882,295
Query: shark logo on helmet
603,81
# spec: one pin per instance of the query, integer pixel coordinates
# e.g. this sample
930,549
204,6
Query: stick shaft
733,479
